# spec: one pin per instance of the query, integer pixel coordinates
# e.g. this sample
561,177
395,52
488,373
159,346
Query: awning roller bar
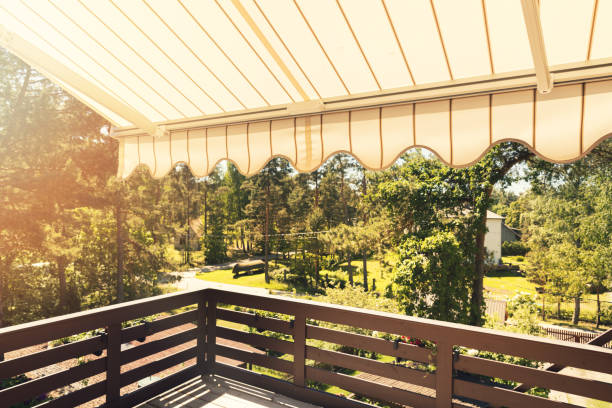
566,74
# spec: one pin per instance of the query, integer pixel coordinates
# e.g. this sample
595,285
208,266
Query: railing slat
382,346
370,389
503,396
256,340
19,365
77,397
262,360
157,366
545,379
156,346
28,390
396,372
255,321
143,330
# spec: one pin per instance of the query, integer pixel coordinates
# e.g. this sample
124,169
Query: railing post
113,364
211,333
299,344
444,375
201,340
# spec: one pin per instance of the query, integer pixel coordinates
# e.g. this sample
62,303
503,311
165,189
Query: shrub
511,248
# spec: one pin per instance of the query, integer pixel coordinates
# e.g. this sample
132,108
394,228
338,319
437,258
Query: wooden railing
309,346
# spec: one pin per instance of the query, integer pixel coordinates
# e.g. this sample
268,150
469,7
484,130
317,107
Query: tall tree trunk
576,316
317,268
477,282
205,208
242,240
350,270
543,307
365,272
598,311
62,263
267,226
559,309
364,191
119,222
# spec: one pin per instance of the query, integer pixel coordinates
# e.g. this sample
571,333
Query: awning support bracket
531,16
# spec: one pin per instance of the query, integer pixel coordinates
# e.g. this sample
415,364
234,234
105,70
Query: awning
199,81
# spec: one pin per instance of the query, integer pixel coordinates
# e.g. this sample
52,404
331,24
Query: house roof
493,216
202,81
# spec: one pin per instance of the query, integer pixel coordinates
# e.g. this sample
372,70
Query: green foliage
513,248
432,278
523,311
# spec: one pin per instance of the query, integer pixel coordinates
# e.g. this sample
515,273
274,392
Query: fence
576,336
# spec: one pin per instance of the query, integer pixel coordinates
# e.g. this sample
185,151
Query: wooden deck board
221,393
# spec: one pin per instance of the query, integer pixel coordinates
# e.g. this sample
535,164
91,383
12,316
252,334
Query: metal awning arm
531,16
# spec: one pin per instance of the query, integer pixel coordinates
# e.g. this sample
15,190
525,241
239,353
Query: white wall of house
493,237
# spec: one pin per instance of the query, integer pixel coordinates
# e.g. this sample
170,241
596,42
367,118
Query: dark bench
250,267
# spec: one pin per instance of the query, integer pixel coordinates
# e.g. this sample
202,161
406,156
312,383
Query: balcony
202,357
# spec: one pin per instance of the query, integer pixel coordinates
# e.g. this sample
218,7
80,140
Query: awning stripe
549,124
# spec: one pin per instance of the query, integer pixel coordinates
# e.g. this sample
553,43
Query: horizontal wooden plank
156,346
42,385
534,348
255,321
369,389
143,330
256,340
382,346
77,397
574,385
305,394
257,359
28,334
396,372
29,362
157,366
262,302
149,391
499,396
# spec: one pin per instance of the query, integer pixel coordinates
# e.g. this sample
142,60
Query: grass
175,258
254,281
507,284
375,271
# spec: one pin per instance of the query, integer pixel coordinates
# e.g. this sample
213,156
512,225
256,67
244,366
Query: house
510,234
189,239
493,237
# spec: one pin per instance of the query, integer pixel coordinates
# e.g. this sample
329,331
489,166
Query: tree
266,198
433,278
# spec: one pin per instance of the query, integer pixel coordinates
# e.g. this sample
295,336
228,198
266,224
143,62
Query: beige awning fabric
199,81
560,126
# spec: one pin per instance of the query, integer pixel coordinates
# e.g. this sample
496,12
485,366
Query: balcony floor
221,393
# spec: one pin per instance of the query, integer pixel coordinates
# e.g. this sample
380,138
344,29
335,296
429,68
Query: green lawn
255,281
175,258
507,284
375,271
